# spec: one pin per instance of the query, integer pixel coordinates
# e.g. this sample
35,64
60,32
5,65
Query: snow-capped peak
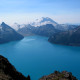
43,21
17,26
0,27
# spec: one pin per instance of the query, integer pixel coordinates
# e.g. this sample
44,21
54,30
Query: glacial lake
35,56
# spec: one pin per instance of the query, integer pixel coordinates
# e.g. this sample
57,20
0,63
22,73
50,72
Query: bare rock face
64,75
8,72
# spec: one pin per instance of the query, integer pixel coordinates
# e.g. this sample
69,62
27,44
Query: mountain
8,34
45,30
71,37
17,26
43,21
46,20
27,30
44,26
68,26
8,72
64,75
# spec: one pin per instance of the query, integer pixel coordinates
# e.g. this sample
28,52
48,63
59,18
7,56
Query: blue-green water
35,56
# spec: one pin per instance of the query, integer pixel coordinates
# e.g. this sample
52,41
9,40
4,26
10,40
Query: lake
35,56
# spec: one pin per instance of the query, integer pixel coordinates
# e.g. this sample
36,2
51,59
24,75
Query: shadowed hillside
8,34
71,37
8,72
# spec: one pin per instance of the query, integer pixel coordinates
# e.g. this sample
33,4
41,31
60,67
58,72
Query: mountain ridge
71,37
8,34
44,21
45,30
8,71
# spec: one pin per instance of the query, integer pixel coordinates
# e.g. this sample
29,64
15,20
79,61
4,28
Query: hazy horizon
26,11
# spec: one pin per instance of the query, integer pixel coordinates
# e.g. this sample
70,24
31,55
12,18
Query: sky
26,11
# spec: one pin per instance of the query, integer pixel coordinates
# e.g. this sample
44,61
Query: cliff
8,72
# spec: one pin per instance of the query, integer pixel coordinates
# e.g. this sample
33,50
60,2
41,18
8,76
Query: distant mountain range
45,30
44,27
8,34
17,26
44,21
27,30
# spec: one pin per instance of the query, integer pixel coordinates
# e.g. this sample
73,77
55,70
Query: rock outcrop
64,75
8,72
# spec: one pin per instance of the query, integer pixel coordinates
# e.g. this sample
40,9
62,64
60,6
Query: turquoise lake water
35,56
